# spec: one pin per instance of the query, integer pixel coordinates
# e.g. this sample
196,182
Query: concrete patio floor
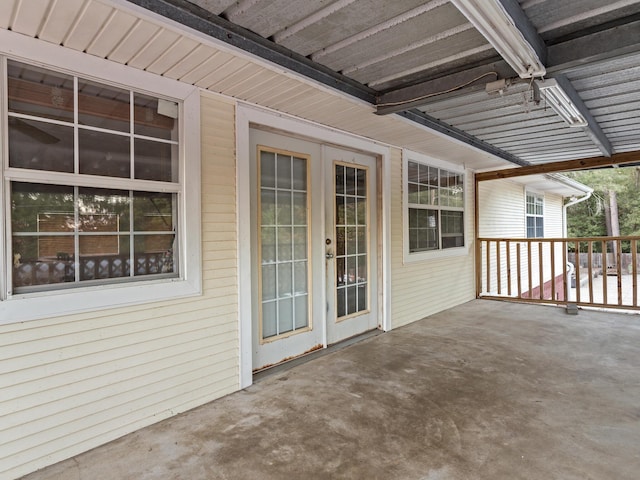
487,390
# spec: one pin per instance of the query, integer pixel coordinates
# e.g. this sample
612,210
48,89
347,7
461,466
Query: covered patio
486,390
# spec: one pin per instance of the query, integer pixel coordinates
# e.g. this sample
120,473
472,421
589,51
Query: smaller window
535,217
435,203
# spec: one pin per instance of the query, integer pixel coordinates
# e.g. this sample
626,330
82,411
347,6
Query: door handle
328,255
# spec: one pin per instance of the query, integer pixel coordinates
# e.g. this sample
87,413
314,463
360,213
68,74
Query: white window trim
431,254
527,215
38,305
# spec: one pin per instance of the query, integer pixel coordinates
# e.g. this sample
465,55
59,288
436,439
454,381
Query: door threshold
306,357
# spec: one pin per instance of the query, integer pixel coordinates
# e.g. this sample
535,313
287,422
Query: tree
588,218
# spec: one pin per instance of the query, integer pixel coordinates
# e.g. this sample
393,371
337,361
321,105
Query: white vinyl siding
553,211
502,215
72,383
429,286
501,209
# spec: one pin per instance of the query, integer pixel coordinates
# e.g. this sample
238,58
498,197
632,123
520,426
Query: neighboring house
528,207
178,213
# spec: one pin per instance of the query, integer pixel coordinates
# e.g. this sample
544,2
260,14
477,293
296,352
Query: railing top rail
562,239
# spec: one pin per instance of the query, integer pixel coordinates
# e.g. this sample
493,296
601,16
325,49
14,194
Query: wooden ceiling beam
618,159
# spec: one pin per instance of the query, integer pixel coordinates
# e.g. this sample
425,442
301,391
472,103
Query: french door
351,243
313,242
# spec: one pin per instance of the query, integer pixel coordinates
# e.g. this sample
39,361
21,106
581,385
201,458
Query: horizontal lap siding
71,383
501,209
502,214
553,208
419,289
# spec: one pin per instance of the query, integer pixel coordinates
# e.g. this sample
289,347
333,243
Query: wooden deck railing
597,272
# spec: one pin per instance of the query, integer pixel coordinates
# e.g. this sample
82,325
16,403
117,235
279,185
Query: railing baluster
590,268
565,287
519,268
605,278
552,246
619,269
577,270
488,267
529,285
634,270
541,269
509,267
498,267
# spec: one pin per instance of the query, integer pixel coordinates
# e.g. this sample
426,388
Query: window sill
435,254
33,306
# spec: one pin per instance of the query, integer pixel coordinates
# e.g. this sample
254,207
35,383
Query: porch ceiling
426,61
418,63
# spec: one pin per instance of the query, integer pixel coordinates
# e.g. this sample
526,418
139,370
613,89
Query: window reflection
40,146
64,234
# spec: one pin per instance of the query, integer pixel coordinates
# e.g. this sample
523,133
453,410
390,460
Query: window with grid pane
535,215
94,181
435,206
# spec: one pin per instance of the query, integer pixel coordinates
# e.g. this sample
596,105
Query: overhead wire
453,89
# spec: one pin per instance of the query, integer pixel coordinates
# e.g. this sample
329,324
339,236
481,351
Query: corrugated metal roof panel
392,66
318,30
554,18
269,18
411,33
214,6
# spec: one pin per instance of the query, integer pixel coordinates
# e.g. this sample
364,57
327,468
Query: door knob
329,255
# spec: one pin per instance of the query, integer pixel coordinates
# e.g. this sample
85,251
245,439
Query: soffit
406,49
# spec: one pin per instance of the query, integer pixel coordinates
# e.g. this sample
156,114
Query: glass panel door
350,243
287,248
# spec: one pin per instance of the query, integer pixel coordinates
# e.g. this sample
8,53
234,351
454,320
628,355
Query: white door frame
247,115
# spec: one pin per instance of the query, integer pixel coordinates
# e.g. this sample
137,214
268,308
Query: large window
535,215
435,207
94,182
100,185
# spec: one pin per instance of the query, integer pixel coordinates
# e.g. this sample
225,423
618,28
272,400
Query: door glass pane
351,240
268,282
285,315
269,319
302,311
284,247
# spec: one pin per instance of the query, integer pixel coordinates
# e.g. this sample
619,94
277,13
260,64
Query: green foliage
587,219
